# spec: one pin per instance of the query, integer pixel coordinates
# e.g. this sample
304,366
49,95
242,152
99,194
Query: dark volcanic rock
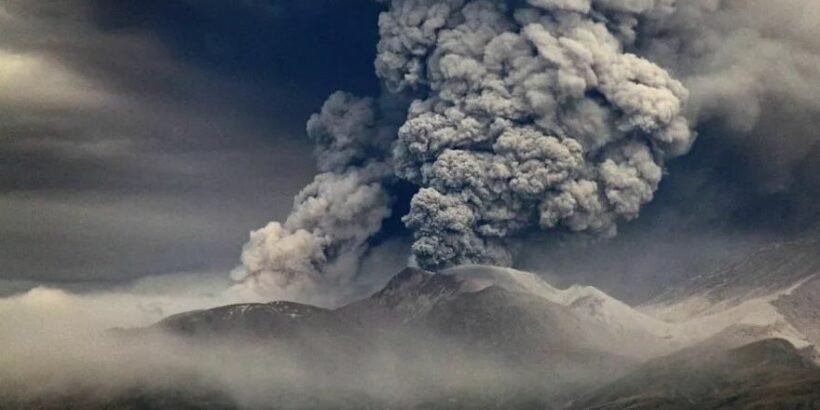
259,319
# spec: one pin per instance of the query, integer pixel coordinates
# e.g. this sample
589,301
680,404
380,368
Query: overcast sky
149,137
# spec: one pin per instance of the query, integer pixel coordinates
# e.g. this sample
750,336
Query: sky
141,138
146,138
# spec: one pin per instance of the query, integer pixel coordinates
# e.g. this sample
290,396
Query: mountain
768,270
519,317
772,293
476,335
769,374
485,337
735,305
611,325
408,296
470,302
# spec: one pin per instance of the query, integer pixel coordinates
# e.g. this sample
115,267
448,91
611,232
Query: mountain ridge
770,374
487,337
774,292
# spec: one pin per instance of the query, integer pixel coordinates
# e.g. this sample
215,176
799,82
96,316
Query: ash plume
535,118
753,68
525,117
319,245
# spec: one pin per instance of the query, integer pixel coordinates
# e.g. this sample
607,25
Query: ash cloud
318,247
752,69
521,118
751,177
528,121
512,123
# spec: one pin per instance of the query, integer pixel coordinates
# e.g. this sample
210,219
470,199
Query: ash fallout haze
463,203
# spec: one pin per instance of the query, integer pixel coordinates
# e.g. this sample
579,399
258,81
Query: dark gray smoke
535,118
526,117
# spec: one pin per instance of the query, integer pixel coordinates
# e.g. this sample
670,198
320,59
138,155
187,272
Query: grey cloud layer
104,132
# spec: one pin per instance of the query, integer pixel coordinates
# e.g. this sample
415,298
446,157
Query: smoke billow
534,118
332,217
524,117
753,68
59,351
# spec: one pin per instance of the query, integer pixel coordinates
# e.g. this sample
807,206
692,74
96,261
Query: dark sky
145,137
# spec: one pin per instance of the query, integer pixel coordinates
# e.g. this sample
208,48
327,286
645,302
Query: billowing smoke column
320,243
525,117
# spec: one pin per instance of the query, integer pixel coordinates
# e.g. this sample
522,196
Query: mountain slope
476,335
773,293
409,295
485,337
452,301
619,328
769,374
769,270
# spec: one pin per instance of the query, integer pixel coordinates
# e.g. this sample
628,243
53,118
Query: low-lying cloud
69,348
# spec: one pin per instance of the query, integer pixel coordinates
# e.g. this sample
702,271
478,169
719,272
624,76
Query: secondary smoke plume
525,117
333,217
